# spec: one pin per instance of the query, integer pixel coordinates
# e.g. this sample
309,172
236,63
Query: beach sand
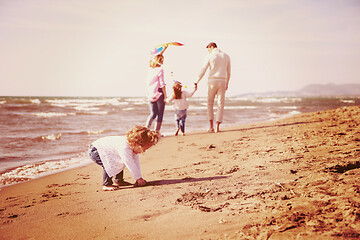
295,178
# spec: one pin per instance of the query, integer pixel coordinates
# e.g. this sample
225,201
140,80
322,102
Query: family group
114,153
219,67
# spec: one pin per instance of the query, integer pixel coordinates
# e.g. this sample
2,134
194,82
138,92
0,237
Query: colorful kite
160,48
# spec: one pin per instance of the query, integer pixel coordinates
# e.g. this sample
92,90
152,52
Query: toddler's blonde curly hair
140,136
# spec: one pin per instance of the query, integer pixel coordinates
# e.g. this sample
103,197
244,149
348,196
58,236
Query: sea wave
93,113
58,136
128,109
274,116
288,107
192,108
294,112
20,101
35,101
95,132
86,108
198,99
275,100
136,101
86,102
52,137
57,114
347,101
240,107
31,171
233,107
51,114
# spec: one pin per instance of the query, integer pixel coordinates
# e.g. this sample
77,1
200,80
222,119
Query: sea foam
32,171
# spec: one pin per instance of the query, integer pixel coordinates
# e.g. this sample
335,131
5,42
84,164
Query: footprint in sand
344,168
57,185
82,176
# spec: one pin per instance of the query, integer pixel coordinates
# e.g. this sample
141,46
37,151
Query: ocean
43,135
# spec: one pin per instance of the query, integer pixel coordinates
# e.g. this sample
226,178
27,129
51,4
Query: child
114,153
180,105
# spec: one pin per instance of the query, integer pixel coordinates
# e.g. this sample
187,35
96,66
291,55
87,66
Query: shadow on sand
256,127
177,181
183,180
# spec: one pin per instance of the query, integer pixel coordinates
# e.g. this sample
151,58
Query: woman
156,91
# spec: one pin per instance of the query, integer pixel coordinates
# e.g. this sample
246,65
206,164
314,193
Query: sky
102,47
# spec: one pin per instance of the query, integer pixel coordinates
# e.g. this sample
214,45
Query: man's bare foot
217,127
211,130
122,183
142,183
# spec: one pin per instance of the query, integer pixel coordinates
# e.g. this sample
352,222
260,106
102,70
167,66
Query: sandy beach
295,178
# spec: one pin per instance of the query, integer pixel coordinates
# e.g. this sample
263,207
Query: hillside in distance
315,90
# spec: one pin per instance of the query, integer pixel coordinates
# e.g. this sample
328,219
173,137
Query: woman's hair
157,61
177,90
142,136
212,44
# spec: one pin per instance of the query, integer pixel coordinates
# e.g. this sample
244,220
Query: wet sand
295,178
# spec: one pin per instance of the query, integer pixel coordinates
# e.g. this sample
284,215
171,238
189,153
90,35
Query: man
218,82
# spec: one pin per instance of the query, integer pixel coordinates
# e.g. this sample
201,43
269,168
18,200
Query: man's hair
212,44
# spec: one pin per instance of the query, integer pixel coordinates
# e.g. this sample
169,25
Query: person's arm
228,69
162,83
190,94
195,88
203,70
170,99
131,162
164,91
